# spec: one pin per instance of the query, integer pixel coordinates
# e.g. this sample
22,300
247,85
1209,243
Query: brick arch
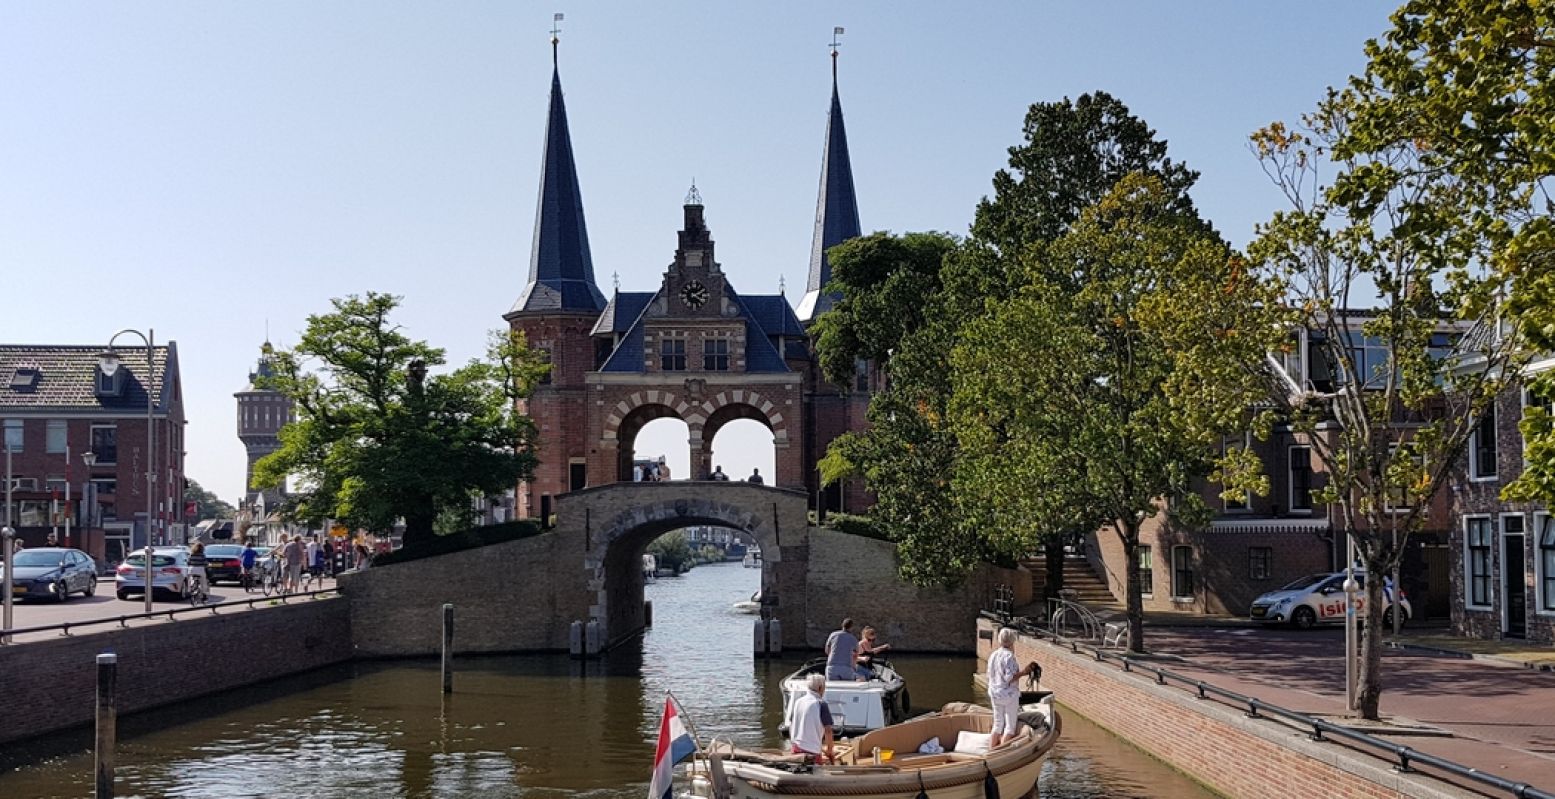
739,403
677,405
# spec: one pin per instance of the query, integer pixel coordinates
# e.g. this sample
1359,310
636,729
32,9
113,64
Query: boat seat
905,738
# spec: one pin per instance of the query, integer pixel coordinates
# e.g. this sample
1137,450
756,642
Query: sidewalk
1501,716
1519,653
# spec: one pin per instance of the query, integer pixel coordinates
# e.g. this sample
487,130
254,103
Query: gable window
672,355
1260,562
14,437
1146,570
1477,533
1299,467
1546,524
1182,572
1482,447
715,354
55,439
105,444
108,384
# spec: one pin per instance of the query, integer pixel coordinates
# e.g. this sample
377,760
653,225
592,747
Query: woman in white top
1004,687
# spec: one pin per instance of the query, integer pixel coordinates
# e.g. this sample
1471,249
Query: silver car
169,573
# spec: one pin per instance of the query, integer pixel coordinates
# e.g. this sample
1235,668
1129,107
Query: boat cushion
972,743
911,734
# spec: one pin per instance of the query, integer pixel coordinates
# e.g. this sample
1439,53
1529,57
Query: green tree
207,504
1100,394
672,551
1424,226
377,439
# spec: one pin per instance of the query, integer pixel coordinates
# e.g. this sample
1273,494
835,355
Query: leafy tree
1099,395
672,551
1427,223
377,439
207,504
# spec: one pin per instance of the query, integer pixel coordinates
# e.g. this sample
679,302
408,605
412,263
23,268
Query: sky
214,170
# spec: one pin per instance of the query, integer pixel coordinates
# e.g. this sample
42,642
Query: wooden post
107,723
648,613
448,649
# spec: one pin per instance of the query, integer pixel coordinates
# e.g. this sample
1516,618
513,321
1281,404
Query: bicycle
269,577
198,591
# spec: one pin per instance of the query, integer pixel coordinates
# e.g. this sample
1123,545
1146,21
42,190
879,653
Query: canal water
540,726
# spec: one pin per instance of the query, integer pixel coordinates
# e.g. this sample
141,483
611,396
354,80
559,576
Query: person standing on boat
1004,688
842,653
810,722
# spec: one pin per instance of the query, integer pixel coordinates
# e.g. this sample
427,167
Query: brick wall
1215,744
49,685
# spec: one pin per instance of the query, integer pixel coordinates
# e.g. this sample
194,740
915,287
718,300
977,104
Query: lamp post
89,458
7,538
1350,587
109,363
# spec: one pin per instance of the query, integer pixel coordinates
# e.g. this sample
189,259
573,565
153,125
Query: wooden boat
1015,765
857,706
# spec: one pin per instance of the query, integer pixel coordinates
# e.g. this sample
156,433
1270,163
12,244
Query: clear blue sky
201,168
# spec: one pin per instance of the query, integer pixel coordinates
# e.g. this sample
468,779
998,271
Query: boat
752,605
857,706
752,559
887,764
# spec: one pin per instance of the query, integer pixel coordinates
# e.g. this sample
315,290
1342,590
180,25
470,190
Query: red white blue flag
675,745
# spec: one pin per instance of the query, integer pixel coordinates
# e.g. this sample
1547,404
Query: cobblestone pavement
1502,717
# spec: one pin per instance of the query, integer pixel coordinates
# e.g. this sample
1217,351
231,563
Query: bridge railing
123,620
1404,757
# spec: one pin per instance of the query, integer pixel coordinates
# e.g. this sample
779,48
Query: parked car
53,573
223,562
1319,599
169,573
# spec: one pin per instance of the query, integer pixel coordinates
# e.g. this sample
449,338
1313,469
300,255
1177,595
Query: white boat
887,763
752,605
752,559
857,706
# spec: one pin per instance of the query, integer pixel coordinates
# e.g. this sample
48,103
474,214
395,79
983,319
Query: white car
1319,599
169,573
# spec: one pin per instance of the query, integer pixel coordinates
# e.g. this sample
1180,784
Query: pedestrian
718,474
53,540
637,473
663,469
293,554
810,722
842,653
1004,688
755,477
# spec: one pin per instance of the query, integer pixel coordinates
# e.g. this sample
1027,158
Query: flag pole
691,728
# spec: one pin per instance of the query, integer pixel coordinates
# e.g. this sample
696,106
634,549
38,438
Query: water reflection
537,726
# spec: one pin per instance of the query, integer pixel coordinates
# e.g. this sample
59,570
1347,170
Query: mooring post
107,723
648,613
448,649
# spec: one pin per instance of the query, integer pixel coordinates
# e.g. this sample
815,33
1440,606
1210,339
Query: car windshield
1305,582
25,558
156,560
223,552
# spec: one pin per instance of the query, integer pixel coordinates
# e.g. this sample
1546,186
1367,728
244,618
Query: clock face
694,294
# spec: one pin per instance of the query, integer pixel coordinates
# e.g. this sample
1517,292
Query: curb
1546,668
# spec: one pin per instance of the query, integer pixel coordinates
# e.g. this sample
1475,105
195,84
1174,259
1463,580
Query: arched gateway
616,523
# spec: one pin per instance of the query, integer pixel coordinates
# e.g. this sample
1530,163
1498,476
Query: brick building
692,348
262,412
56,404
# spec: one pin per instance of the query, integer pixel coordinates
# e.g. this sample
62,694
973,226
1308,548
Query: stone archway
620,520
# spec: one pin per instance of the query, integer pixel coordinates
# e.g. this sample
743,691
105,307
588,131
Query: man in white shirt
1004,688
810,722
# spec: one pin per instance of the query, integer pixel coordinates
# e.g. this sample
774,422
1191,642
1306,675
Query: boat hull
1013,784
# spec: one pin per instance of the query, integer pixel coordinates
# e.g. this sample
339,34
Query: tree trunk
1369,683
1134,604
1053,580
419,523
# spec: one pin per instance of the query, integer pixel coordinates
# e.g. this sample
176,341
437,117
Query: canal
539,726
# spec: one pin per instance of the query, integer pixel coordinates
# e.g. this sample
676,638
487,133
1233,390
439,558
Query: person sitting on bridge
810,722
718,474
755,477
842,653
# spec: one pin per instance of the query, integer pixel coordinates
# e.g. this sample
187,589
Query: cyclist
197,563
246,562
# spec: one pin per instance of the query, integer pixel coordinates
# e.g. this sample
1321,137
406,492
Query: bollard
648,613
774,637
448,649
760,638
575,639
591,634
107,724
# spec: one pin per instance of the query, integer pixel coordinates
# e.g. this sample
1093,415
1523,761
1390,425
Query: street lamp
7,536
108,361
89,458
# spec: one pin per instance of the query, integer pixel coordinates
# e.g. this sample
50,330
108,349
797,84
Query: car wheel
1303,618
91,587
1387,620
60,591
123,595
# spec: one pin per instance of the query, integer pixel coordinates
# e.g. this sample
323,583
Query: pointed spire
836,211
561,271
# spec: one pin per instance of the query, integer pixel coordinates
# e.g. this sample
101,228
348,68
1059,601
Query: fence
123,621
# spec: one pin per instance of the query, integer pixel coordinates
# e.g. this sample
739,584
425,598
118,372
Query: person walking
1004,688
293,553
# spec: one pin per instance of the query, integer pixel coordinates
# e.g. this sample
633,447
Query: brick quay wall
1215,744
51,685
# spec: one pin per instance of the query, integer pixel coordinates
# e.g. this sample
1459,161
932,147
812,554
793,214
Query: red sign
191,509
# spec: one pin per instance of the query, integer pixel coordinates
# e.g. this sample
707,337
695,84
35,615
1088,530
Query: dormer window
25,378
109,385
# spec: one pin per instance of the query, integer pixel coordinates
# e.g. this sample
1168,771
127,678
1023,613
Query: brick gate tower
693,348
262,412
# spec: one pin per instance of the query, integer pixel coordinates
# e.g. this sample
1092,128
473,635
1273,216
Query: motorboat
752,605
942,755
752,559
857,706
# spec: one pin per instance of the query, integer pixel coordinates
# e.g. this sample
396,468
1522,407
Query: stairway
1089,588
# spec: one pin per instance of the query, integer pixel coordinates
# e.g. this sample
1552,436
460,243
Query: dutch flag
675,745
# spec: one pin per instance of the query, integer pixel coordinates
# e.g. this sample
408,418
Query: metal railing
1256,708
214,608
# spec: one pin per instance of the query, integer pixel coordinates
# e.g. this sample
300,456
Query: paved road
1502,717
106,606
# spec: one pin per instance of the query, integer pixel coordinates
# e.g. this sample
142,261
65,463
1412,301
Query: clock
694,294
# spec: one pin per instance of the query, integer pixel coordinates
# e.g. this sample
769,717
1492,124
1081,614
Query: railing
1406,757
123,621
1069,619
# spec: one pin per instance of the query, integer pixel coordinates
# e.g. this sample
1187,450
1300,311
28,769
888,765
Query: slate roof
67,377
836,211
761,355
561,270
774,314
622,310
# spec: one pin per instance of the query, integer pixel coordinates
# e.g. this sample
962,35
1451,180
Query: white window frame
1544,603
1474,475
1290,483
1468,564
1500,561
